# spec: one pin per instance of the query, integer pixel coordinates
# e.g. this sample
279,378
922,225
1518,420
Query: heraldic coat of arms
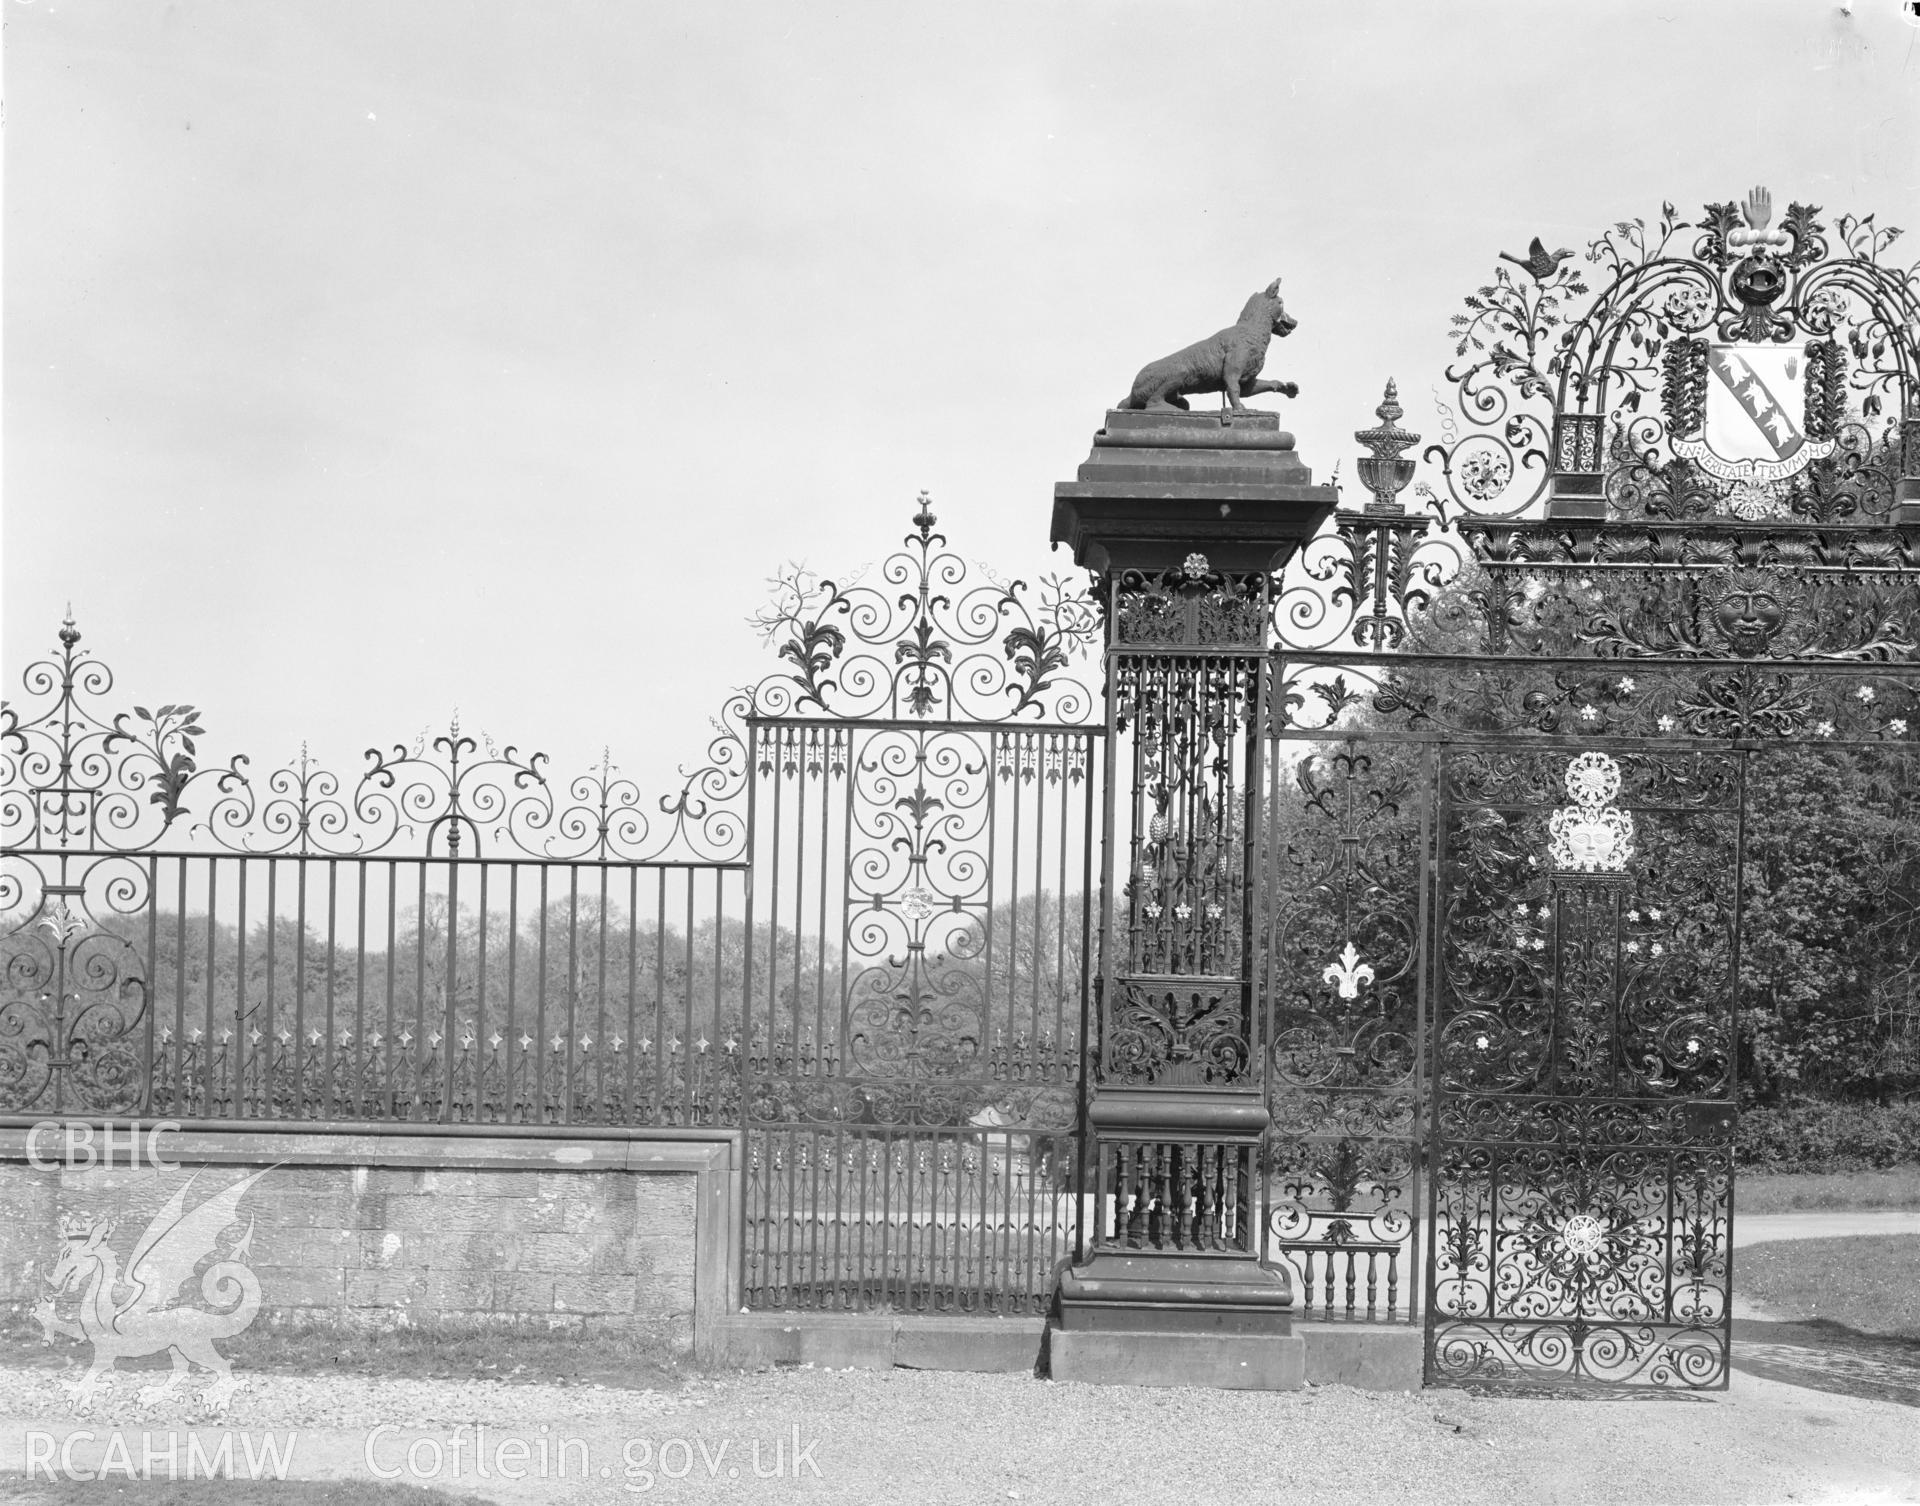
1741,406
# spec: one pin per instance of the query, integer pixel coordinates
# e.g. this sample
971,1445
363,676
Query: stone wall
355,1231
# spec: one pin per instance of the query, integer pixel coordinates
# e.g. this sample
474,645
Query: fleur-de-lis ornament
1349,973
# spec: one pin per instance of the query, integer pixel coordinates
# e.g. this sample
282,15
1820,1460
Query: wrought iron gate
921,812
1672,527
1582,1113
1344,976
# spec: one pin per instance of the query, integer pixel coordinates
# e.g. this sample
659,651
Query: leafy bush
1816,1135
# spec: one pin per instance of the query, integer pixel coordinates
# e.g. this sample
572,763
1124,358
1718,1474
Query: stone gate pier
1186,518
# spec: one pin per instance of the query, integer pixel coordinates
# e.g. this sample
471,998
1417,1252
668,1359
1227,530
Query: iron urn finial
1386,471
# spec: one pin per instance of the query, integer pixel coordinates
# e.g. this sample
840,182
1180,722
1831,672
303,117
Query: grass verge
1869,1283
1803,1191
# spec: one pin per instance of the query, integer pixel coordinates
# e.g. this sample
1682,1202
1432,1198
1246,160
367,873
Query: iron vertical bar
150,980
799,745
481,1051
300,991
820,943
600,1109
393,985
735,1049
1424,951
569,1088
179,985
362,1056
513,987
213,907
752,1234
539,1053
661,1082
333,945
1033,741
1440,803
1012,969
1093,946
1743,754
633,1114
242,1025
694,1068
418,1045
843,922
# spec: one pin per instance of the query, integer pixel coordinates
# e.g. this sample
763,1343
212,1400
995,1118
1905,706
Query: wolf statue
1228,363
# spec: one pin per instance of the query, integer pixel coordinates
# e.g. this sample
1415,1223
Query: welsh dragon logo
134,1314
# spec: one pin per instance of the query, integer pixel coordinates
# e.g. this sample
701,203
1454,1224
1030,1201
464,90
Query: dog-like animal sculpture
1228,362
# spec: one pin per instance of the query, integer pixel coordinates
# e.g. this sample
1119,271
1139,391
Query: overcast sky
365,360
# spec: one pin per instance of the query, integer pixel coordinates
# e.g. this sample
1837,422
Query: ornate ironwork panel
920,922
1177,987
1669,535
1343,979
1176,1196
448,938
922,831
1584,1032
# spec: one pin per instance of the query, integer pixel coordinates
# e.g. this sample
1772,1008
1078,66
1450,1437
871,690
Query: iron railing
325,988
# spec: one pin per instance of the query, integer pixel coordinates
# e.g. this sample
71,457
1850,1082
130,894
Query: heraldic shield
1752,408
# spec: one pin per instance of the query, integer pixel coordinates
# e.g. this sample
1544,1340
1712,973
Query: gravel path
1758,1228
917,1436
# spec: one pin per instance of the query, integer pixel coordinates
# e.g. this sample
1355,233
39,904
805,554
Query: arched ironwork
1671,529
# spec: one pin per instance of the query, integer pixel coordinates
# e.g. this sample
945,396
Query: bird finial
1539,263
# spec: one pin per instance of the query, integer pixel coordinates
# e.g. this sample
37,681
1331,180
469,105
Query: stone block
659,1197
443,1215
319,1183
453,1290
860,1341
382,1288
669,1256
484,1252
594,1294
383,1249
1222,1361
490,1184
371,1181
555,1254
1372,1356
662,1296
1004,1345
368,1212
522,1292
301,1209
299,1286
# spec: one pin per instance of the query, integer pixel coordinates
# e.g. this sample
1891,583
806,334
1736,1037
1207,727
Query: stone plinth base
1158,486
1129,1319
1191,1294
1225,1362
